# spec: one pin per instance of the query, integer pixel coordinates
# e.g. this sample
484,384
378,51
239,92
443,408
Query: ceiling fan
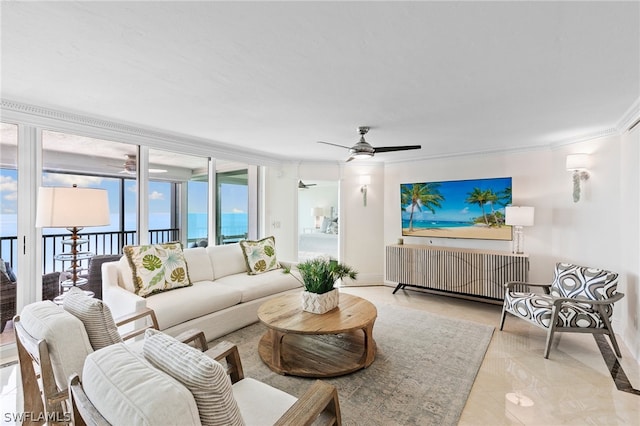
364,150
130,166
302,185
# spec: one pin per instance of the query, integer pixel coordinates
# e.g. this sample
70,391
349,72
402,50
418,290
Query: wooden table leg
369,345
276,351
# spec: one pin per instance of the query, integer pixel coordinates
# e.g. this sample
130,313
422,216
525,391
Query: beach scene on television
472,208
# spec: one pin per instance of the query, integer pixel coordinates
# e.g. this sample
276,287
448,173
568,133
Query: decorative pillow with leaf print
260,255
157,267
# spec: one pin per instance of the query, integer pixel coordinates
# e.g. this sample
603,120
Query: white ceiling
275,77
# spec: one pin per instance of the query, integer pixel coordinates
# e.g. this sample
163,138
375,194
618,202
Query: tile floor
515,384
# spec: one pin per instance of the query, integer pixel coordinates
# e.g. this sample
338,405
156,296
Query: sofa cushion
127,390
260,256
126,274
206,378
65,335
157,267
259,403
199,264
96,317
256,286
226,260
183,304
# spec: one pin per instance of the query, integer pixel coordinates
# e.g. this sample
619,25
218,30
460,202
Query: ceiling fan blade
350,158
396,148
334,144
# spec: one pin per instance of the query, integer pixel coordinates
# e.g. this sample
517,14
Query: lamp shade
519,215
577,162
317,211
72,207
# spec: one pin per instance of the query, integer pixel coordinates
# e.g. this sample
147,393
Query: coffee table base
328,355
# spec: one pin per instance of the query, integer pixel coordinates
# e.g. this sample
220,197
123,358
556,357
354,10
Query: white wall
600,231
526,191
361,228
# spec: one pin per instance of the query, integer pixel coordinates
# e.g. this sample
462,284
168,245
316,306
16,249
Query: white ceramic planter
320,303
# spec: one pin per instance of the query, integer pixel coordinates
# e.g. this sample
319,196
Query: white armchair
176,384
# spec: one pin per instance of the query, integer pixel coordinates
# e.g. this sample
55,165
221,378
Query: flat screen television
473,208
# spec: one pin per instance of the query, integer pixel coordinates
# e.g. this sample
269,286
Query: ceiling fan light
361,155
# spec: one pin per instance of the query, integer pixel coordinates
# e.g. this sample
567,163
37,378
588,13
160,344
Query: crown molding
102,128
602,133
631,116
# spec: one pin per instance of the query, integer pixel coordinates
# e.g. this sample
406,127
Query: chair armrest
126,319
509,285
319,402
558,301
229,352
193,335
83,412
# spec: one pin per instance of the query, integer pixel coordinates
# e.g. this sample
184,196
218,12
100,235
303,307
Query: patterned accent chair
580,299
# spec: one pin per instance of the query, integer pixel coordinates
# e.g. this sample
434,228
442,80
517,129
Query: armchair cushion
157,267
536,308
127,390
96,317
261,404
260,255
203,376
66,338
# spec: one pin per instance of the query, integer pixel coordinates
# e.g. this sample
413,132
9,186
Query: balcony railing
99,243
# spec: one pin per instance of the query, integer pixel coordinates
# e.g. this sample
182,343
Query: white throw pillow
203,376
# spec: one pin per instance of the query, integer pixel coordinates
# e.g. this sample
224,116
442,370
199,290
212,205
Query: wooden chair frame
318,405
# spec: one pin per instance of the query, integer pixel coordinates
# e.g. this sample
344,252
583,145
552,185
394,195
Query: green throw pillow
157,268
260,256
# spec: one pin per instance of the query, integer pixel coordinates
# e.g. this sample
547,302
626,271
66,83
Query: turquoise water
431,224
231,224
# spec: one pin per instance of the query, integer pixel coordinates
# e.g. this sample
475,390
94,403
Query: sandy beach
482,232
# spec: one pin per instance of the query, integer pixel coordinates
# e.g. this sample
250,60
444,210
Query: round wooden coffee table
300,343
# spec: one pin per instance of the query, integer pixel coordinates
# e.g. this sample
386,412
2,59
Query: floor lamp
72,208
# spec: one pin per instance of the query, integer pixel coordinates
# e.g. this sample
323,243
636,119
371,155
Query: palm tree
419,196
492,199
479,197
504,197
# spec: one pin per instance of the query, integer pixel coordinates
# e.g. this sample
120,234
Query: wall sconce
578,164
365,180
317,212
518,216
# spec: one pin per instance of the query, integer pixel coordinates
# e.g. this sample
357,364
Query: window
233,206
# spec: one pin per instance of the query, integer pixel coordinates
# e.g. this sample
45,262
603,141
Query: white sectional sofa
222,299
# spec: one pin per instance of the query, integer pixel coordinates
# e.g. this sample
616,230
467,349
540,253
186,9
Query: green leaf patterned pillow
260,256
157,267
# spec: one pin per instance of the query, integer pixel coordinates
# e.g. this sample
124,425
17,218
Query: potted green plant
319,276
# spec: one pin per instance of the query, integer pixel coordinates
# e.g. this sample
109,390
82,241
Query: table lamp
72,208
519,216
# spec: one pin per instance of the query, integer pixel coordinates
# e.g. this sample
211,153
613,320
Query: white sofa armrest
120,301
287,263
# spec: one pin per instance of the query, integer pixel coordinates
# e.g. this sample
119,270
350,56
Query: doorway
318,219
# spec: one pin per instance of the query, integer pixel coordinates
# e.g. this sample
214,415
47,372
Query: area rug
422,375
